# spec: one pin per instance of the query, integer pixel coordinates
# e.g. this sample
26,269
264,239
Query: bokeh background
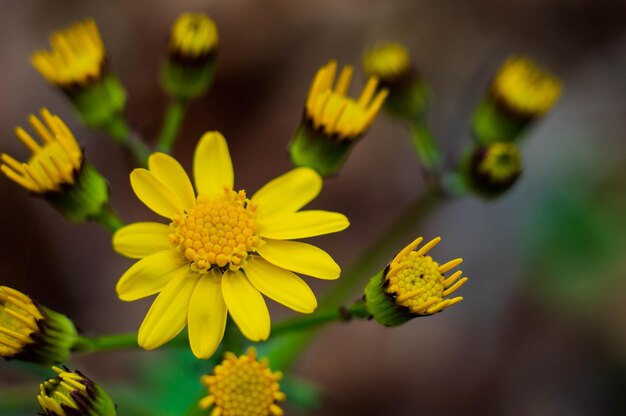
542,330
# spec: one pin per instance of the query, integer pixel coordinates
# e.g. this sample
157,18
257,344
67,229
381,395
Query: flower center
502,162
18,321
217,232
243,386
387,61
415,280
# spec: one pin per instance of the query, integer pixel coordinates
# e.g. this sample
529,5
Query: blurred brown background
522,342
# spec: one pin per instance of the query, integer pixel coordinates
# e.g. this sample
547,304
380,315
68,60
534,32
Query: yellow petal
168,314
246,306
300,258
288,193
281,285
141,239
154,194
167,170
150,274
212,167
207,315
302,224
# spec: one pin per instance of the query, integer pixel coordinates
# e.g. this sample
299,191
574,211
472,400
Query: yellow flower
525,88
413,285
30,332
221,249
387,61
77,56
500,162
243,386
54,162
194,35
72,393
329,108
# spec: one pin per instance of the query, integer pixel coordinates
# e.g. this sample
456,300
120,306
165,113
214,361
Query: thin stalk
109,219
425,146
171,125
118,129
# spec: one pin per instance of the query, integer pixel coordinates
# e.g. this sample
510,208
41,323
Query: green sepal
407,99
53,342
494,122
100,101
382,306
84,199
317,150
182,80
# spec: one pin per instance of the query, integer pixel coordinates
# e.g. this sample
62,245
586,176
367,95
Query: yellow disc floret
243,386
217,232
332,111
18,321
387,61
77,56
525,87
53,163
501,163
193,35
417,282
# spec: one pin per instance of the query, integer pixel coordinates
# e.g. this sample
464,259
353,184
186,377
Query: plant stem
118,129
425,146
321,317
109,219
171,124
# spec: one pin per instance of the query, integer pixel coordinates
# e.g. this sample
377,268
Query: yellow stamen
450,265
193,35
454,287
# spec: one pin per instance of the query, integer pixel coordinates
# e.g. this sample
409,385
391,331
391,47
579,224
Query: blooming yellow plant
221,249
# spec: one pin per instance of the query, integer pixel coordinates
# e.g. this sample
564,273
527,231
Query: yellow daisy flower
221,249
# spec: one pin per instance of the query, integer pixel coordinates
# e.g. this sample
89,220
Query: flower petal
288,193
302,224
169,172
300,258
154,194
212,167
281,285
150,274
207,315
141,239
246,306
168,314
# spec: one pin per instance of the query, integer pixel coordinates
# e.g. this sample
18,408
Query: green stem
109,219
118,129
425,146
171,125
319,318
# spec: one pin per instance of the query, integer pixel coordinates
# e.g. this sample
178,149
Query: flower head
30,332
71,393
413,285
243,386
525,88
388,61
57,170
194,35
221,249
329,108
54,162
77,56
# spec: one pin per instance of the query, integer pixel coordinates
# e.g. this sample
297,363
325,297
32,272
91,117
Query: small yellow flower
329,108
193,35
387,61
525,88
54,162
221,249
77,56
72,393
413,285
30,332
500,162
243,386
